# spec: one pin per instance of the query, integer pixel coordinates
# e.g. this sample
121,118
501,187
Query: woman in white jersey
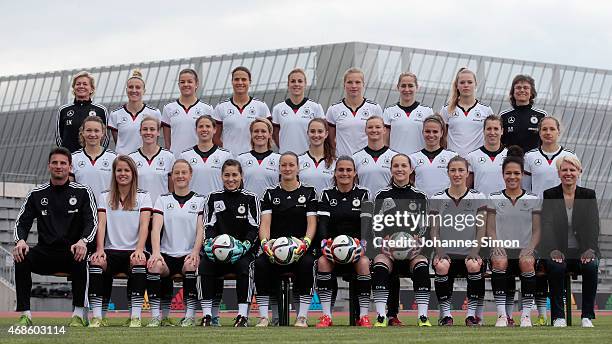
206,158
178,117
124,213
459,201
317,164
347,117
540,163
153,162
485,162
260,165
464,114
373,162
91,165
124,122
404,119
291,117
178,251
235,114
513,216
431,162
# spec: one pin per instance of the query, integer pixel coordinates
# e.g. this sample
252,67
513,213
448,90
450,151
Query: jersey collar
295,107
432,155
510,198
82,102
240,109
465,112
138,112
408,109
183,199
152,158
187,108
357,109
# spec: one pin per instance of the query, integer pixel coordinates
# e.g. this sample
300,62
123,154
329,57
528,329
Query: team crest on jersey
271,163
468,204
241,209
105,163
219,206
302,199
356,202
92,113
442,161
139,164
252,111
387,160
44,201
412,206
533,120
477,113
70,113
419,114
307,111
160,162
198,112
511,119
72,200
482,160
365,114
193,206
81,163
538,162
333,202
525,205
276,201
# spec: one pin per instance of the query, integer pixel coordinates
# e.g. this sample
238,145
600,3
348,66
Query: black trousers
556,283
267,274
47,261
212,271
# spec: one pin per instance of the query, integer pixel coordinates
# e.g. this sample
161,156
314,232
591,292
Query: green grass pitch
339,333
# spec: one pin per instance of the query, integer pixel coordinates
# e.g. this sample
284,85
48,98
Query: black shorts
174,264
118,261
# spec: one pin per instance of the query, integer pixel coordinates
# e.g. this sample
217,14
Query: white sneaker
586,322
559,322
526,321
502,321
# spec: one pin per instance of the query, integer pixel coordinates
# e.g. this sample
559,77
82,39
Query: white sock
190,312
243,309
263,301
381,308
422,309
304,305
136,312
78,311
27,314
501,311
480,308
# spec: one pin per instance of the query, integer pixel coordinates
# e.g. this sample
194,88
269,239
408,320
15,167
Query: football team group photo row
202,194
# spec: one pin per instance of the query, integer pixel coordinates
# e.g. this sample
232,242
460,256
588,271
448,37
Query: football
343,249
222,247
401,246
283,249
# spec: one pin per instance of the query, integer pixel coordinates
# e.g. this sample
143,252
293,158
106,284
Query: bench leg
353,304
283,303
568,300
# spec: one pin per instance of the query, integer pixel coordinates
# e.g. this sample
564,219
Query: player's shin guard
363,285
325,290
138,282
380,286
475,291
166,291
218,296
541,294
393,299
498,284
422,287
528,287
96,289
190,292
510,293
444,293
154,293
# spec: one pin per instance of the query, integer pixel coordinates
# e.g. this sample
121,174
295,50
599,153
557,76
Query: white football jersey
542,167
430,169
122,225
181,119
260,171
127,126
487,169
236,136
374,168
406,125
468,205
206,168
153,174
465,127
513,220
316,173
293,122
350,125
180,222
95,172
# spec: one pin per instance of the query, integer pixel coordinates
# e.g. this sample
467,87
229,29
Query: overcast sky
42,36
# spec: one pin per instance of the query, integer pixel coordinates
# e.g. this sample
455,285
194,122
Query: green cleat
154,322
381,321
168,322
541,321
24,320
98,322
187,322
423,321
135,322
77,321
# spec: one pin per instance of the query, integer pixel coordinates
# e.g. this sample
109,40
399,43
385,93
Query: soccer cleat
206,320
216,322
154,322
480,321
446,321
381,321
511,322
394,321
126,323
324,321
526,321
24,320
135,322
471,321
263,322
541,321
77,321
168,322
502,321
98,322
423,321
241,321
275,322
364,321
187,322
301,322
559,322
586,322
